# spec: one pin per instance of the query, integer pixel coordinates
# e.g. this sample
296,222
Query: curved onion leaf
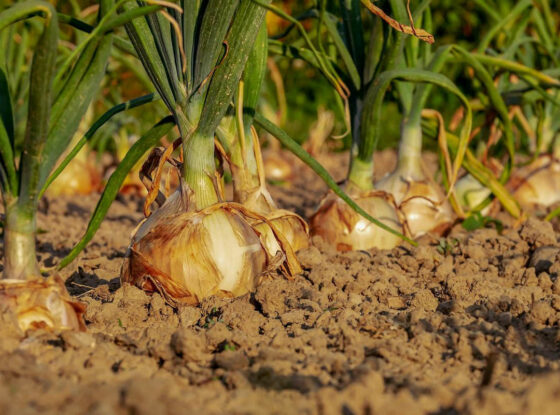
147,141
497,102
244,29
502,22
8,166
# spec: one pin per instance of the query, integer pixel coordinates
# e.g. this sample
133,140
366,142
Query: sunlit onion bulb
537,183
191,255
421,201
41,303
80,177
277,167
338,224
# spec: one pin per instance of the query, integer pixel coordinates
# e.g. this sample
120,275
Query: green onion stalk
56,102
243,152
195,243
366,66
538,183
419,198
520,40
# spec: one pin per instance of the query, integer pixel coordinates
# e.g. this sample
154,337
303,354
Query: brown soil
463,325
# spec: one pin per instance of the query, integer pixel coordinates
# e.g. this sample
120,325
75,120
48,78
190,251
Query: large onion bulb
338,224
189,255
41,303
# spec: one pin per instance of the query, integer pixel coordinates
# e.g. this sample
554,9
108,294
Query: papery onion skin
290,224
422,203
293,227
338,224
192,255
41,303
537,184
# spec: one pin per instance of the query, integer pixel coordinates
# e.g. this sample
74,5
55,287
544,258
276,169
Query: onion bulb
421,201
338,224
79,177
470,193
538,183
41,303
188,255
277,166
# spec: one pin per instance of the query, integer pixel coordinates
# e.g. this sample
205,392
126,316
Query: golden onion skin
192,255
537,183
338,224
422,203
78,178
41,303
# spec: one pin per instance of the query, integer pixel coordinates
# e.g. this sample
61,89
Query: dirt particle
189,316
217,334
543,258
425,300
231,360
537,233
542,312
78,340
396,303
190,346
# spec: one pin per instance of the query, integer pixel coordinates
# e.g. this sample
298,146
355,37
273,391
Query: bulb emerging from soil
188,255
338,224
538,183
421,201
41,303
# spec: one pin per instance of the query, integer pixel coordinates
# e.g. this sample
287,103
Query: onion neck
20,258
410,150
361,175
244,170
199,170
547,139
